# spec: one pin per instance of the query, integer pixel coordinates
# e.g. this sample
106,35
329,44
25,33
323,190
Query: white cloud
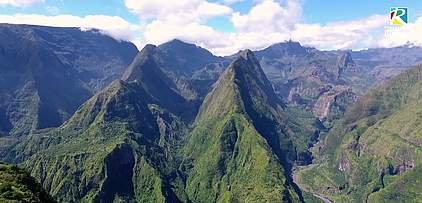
410,33
182,19
231,1
114,26
340,35
20,3
208,10
180,10
158,32
268,22
269,16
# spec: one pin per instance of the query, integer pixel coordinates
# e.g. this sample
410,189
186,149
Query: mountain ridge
33,57
229,139
180,124
374,152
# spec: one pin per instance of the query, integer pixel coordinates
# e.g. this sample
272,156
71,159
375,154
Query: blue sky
314,11
288,16
333,10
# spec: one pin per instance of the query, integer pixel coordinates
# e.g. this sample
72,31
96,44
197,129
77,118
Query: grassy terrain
16,185
245,141
375,152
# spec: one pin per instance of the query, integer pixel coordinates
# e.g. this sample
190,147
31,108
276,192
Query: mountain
386,63
98,58
244,140
288,48
147,70
169,62
121,144
186,58
116,147
305,76
127,141
395,57
308,77
374,153
192,68
92,119
16,185
46,73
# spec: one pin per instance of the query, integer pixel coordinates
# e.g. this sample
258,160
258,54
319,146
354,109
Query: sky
226,26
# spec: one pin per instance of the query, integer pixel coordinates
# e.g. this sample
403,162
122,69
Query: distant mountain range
46,73
93,119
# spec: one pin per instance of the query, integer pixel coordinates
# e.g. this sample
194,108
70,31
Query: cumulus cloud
269,16
159,32
181,10
410,33
182,19
114,26
231,1
354,34
268,22
273,21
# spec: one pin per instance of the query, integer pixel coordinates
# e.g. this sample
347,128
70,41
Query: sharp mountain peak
243,79
144,61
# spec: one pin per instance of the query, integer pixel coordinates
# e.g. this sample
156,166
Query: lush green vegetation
374,153
136,140
111,149
241,147
16,185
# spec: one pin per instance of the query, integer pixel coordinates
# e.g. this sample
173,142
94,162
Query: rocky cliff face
346,65
373,154
333,103
302,75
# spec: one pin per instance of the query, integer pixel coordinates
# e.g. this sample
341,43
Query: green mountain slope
111,149
128,142
122,144
244,141
185,59
374,153
32,58
16,185
147,71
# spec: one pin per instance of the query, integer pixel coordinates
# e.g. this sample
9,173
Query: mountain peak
287,48
186,58
346,59
148,48
246,62
243,79
246,54
145,59
148,71
177,43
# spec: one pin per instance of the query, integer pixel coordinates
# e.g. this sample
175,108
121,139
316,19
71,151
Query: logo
398,16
